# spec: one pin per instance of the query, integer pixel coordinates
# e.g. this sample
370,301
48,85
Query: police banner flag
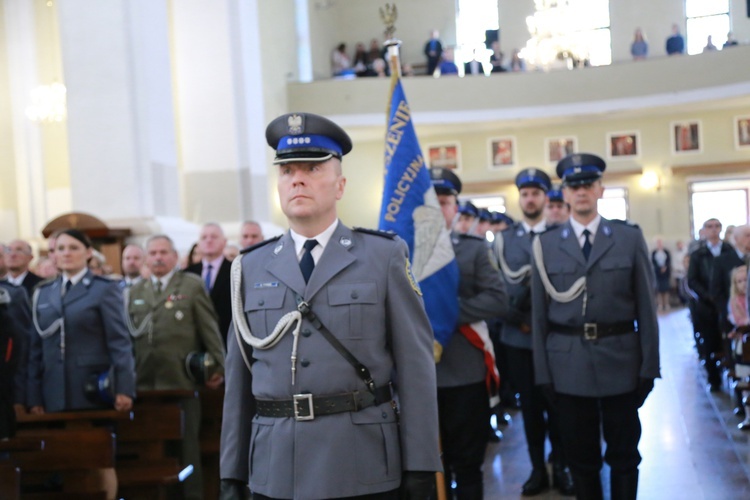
410,208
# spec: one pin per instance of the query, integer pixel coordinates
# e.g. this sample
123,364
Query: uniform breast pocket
562,274
353,308
263,309
616,267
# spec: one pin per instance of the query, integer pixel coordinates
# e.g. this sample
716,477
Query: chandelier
47,104
552,40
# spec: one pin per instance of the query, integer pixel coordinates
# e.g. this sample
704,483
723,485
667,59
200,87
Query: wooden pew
79,449
10,473
148,465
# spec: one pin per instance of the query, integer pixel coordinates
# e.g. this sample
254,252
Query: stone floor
691,446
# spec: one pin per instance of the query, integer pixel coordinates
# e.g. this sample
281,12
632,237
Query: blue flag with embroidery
410,208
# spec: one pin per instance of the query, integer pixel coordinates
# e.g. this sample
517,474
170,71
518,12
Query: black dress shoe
744,426
739,411
562,480
537,483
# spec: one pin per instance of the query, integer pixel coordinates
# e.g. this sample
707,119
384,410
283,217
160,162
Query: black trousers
386,495
708,339
538,418
584,420
464,412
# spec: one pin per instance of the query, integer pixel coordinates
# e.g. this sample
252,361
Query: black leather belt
593,331
306,406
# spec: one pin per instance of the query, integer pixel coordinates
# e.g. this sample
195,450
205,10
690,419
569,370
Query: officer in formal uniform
15,334
595,333
512,251
337,328
462,372
467,218
79,335
170,318
500,222
557,211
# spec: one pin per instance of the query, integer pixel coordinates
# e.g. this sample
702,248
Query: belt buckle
589,331
296,400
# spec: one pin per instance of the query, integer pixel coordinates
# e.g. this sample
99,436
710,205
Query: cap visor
280,160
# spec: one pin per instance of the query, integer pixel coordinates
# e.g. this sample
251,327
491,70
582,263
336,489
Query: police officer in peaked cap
336,321
467,218
461,372
557,211
512,250
595,332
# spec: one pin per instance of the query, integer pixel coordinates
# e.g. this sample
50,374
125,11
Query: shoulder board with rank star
470,236
261,244
624,222
384,234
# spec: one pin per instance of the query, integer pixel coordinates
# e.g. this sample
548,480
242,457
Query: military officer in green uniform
171,316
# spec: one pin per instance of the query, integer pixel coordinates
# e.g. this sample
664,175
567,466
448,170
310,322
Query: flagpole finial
389,14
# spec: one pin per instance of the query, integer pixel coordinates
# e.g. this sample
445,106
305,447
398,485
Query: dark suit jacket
700,271
220,294
30,281
721,281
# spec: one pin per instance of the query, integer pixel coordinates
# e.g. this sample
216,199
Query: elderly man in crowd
18,257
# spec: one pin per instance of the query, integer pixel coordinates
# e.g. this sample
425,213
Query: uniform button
306,333
305,363
355,295
261,302
384,415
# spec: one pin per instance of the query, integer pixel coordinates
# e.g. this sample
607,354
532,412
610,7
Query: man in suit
214,270
462,372
250,234
592,283
171,317
133,259
512,251
705,312
433,50
326,424
18,257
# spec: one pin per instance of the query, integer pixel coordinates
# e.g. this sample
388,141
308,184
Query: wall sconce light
650,181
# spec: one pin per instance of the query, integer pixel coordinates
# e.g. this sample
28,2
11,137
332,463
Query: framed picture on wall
623,145
557,148
742,132
686,137
447,155
502,151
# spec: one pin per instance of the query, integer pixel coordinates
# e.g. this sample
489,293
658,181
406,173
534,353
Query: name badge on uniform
268,284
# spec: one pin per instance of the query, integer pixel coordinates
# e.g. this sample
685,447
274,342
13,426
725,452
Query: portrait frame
686,137
445,155
557,148
502,152
742,132
624,145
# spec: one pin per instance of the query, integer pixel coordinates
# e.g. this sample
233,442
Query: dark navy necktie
307,264
586,244
68,286
207,281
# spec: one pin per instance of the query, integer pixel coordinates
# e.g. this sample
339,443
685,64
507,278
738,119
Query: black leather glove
233,489
645,385
417,485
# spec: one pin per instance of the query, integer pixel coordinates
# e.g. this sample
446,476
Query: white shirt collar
323,239
539,227
18,279
76,277
164,279
592,226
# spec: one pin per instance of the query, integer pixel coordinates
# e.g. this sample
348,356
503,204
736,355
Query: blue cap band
589,169
530,179
306,142
444,184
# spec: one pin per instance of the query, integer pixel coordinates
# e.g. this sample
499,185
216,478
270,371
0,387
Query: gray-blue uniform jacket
517,253
96,338
363,293
481,296
16,317
619,288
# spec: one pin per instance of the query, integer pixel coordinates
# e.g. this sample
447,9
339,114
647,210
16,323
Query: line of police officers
581,323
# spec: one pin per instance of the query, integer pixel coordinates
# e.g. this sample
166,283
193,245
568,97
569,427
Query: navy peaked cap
445,181
306,137
555,194
533,177
580,168
468,208
498,217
